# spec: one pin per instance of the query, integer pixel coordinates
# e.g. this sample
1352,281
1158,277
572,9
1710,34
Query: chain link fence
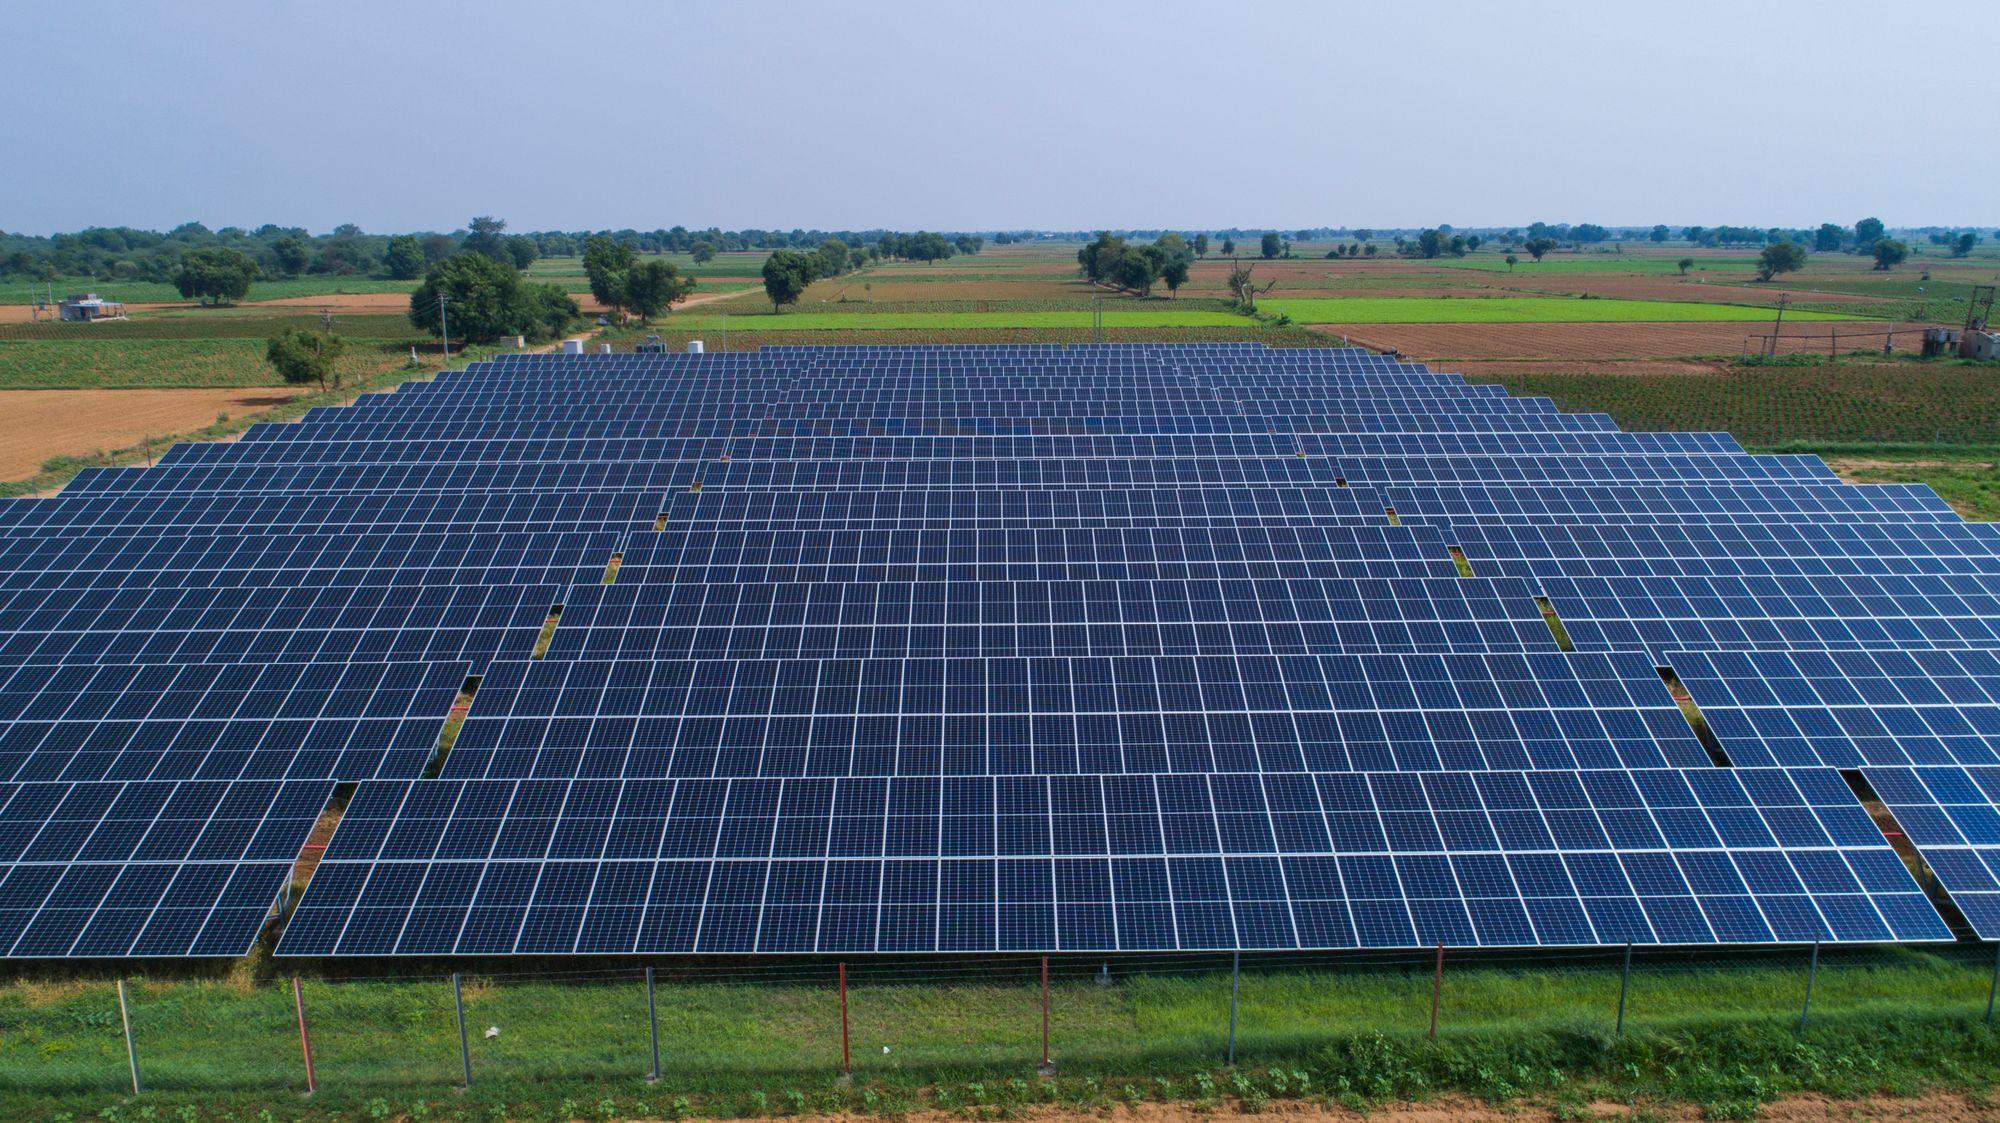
721,1023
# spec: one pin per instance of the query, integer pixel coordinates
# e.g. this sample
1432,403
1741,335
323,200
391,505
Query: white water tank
572,346
694,346
604,348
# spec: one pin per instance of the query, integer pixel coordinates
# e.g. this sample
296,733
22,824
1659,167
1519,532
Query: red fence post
305,1036
1437,990
846,1065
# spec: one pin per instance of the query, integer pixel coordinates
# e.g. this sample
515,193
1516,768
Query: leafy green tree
1365,235
521,250
1961,246
1228,247
405,257
1512,261
1660,233
1271,246
702,252
1174,272
605,263
1137,269
1829,237
215,275
292,255
786,275
300,356
1589,232
1889,253
1780,257
486,299
1536,247
926,246
832,255
1099,260
1201,245
1686,264
654,286
487,238
1868,231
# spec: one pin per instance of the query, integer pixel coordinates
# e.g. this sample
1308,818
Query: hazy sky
998,114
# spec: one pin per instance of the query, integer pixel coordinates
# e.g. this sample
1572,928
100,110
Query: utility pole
326,318
444,329
1771,349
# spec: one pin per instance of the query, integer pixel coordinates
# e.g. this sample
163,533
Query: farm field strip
37,425
933,321
1517,310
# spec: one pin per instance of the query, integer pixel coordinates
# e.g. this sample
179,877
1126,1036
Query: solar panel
976,648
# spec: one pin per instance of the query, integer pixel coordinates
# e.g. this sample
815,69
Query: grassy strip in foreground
112,364
1723,1034
1519,310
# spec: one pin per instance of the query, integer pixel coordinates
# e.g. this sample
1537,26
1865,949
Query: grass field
156,363
156,292
766,1040
1516,310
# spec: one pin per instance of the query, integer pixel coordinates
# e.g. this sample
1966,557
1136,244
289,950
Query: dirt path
38,424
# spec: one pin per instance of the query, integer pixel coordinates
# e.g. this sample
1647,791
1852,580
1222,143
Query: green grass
158,363
210,323
1518,310
1719,1030
155,292
1652,263
1969,480
702,320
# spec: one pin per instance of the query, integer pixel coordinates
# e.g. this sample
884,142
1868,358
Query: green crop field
244,322
154,292
159,363
1517,310
940,321
1650,263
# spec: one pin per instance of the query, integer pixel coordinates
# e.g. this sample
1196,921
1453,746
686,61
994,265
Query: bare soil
38,424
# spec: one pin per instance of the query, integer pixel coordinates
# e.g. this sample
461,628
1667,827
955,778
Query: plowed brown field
38,424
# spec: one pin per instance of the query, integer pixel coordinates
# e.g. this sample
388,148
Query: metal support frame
1437,990
846,1061
1047,1067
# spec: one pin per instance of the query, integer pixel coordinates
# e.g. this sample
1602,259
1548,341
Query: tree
405,258
437,247
702,252
1136,270
654,286
1828,237
832,255
300,356
1243,286
1686,264
1365,235
1512,261
786,275
215,275
1228,247
1536,247
1099,259
1433,242
1867,232
1889,253
1175,272
605,263
1962,245
521,251
1780,257
1271,246
1201,245
486,299
486,238
1660,232
292,255
1589,232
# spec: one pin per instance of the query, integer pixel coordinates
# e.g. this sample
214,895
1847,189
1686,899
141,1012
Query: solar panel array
1091,648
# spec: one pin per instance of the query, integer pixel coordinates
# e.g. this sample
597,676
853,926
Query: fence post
1437,990
846,1063
131,1050
1994,986
464,1051
653,1027
1047,1067
305,1037
1235,983
1624,985
1812,973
